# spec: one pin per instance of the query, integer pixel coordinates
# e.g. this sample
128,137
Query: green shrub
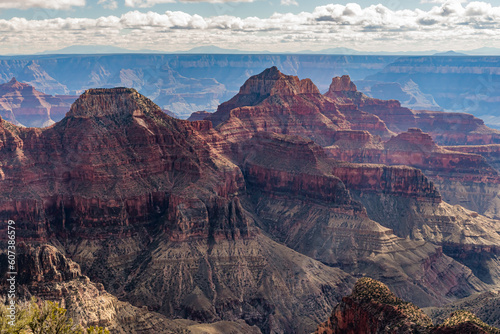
42,318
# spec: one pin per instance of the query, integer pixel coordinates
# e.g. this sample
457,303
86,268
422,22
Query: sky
31,26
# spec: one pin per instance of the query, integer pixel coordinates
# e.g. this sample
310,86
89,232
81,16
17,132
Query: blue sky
29,26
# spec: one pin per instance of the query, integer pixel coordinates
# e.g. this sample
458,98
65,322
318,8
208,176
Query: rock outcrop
373,308
198,115
485,305
456,175
303,199
23,105
279,103
46,273
444,127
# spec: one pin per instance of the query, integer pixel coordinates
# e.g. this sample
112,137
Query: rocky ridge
279,103
445,128
373,308
23,105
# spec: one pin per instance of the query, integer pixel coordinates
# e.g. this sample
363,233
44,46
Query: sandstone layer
23,105
279,103
445,127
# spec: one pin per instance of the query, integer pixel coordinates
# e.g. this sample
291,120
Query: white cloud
289,3
145,3
49,4
151,3
108,4
442,1
451,25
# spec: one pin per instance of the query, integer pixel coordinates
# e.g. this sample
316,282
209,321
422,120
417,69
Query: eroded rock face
308,206
421,215
444,127
462,178
279,103
148,206
23,105
46,273
373,308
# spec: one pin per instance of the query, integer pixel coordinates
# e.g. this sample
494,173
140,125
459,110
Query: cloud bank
48,4
450,25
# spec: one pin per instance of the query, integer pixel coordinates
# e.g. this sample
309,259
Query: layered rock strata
148,206
444,127
23,105
279,103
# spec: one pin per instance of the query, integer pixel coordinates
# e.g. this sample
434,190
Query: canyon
258,217
185,83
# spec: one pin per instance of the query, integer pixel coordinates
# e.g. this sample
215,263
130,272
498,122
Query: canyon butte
259,218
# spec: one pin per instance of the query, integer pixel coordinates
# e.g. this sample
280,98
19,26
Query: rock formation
23,105
303,199
148,207
456,175
444,127
198,115
46,273
279,103
250,220
373,308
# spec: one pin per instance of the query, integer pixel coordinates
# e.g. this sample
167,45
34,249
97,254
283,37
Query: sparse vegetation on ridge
42,318
461,316
368,289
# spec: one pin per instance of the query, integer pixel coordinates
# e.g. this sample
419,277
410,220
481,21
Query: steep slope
279,103
300,200
387,193
465,235
462,178
485,305
44,272
23,105
148,207
446,128
373,308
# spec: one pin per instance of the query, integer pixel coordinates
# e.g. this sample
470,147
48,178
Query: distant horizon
277,26
212,49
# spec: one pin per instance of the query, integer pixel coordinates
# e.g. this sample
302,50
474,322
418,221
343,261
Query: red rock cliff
446,128
22,104
279,103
